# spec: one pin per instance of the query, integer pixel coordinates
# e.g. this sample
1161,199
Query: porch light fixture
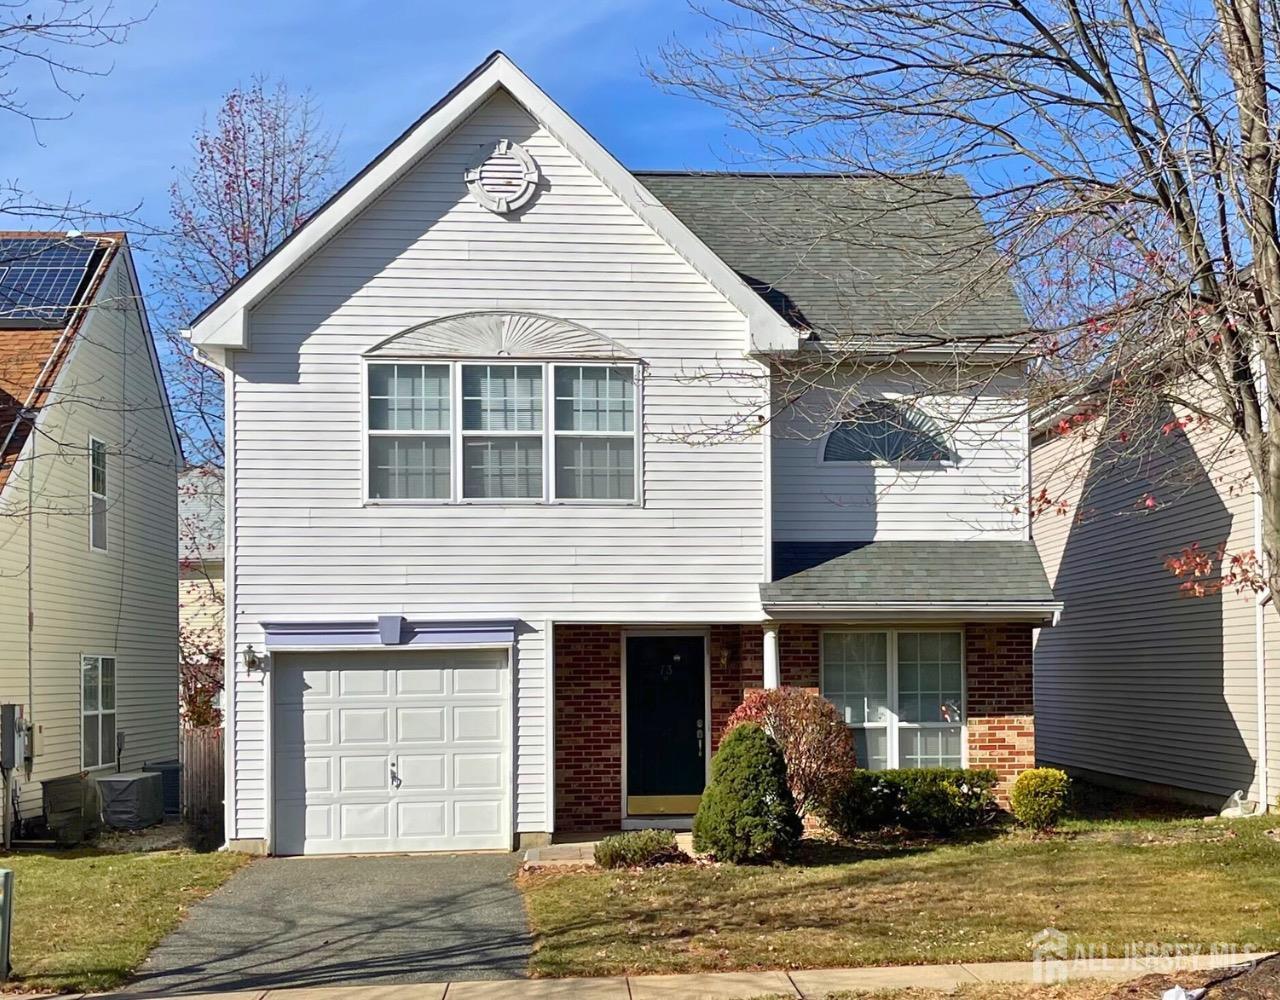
251,660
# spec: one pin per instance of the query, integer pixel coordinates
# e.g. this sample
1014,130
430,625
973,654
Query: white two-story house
510,531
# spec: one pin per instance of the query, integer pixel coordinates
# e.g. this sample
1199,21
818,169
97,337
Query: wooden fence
202,776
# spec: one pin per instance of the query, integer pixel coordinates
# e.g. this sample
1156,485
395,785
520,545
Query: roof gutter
1036,611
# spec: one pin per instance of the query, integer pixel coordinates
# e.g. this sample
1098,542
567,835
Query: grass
84,919
1108,880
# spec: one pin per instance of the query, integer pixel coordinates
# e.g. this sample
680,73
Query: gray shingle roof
853,257
908,572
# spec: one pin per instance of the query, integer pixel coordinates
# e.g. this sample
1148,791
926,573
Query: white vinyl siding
122,601
978,492
1139,679
308,545
902,693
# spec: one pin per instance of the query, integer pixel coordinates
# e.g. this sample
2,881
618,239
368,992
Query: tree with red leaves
258,171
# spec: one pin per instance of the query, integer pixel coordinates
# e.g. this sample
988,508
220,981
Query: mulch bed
1261,982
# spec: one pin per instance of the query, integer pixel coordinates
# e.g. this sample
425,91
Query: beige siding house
1143,684
200,582
88,519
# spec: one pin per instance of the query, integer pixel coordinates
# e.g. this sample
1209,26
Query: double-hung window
902,693
525,432
97,495
97,710
409,421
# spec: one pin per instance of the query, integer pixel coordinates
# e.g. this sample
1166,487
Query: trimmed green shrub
937,800
815,742
747,813
1040,796
638,848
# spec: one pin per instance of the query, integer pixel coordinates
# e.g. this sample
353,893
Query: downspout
1261,600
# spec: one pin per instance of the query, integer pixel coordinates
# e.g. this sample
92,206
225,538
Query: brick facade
588,703
1001,706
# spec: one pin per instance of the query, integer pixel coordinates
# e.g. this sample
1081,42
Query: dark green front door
666,724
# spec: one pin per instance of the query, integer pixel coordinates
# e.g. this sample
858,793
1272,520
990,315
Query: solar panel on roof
41,277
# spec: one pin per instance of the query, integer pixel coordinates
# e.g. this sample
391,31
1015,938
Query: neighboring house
489,578
88,518
1142,684
202,625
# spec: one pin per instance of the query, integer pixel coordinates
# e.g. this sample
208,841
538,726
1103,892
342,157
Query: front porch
597,755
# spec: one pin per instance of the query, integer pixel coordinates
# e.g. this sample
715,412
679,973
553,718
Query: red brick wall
1002,734
588,704
588,728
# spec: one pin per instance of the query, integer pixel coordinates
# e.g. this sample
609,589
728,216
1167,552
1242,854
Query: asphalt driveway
341,921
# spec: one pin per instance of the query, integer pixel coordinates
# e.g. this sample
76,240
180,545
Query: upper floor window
463,432
880,430
97,495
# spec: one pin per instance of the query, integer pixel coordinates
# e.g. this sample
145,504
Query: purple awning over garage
388,631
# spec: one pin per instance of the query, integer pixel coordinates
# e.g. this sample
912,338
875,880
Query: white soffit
224,323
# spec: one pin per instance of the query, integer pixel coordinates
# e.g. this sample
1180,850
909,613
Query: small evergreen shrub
638,848
1040,796
937,800
945,800
816,744
747,812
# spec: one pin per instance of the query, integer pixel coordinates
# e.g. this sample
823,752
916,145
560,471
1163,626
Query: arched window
880,430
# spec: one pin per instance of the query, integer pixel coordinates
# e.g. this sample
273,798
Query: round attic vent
503,178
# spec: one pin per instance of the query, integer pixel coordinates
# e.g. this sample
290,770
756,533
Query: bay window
524,432
901,692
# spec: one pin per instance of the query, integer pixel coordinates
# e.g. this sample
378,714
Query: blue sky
373,68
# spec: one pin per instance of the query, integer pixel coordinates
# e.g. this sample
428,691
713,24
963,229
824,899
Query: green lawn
84,919
1105,882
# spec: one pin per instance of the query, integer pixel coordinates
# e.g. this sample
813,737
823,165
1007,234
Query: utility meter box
13,737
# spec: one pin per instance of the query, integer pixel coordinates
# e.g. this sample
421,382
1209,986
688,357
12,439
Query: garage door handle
395,778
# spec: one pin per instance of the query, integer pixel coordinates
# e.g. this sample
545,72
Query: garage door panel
477,680
420,725
364,774
477,724
441,719
364,821
477,771
363,725
420,682
422,819
363,683
477,819
318,774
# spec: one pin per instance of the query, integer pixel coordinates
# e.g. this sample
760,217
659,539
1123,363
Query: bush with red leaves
815,742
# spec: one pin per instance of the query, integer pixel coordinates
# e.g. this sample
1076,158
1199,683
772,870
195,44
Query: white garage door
377,752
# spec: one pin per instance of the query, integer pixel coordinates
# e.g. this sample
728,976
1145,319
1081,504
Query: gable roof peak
224,324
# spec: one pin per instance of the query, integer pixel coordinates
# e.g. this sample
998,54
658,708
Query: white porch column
772,668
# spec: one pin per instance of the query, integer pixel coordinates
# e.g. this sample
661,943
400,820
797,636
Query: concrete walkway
812,985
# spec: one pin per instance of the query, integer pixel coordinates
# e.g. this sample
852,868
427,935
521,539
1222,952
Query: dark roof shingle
853,257
908,572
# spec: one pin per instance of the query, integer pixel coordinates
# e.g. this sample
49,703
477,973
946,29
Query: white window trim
548,435
84,766
106,506
894,725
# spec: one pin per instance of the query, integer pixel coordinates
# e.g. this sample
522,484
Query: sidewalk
812,985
